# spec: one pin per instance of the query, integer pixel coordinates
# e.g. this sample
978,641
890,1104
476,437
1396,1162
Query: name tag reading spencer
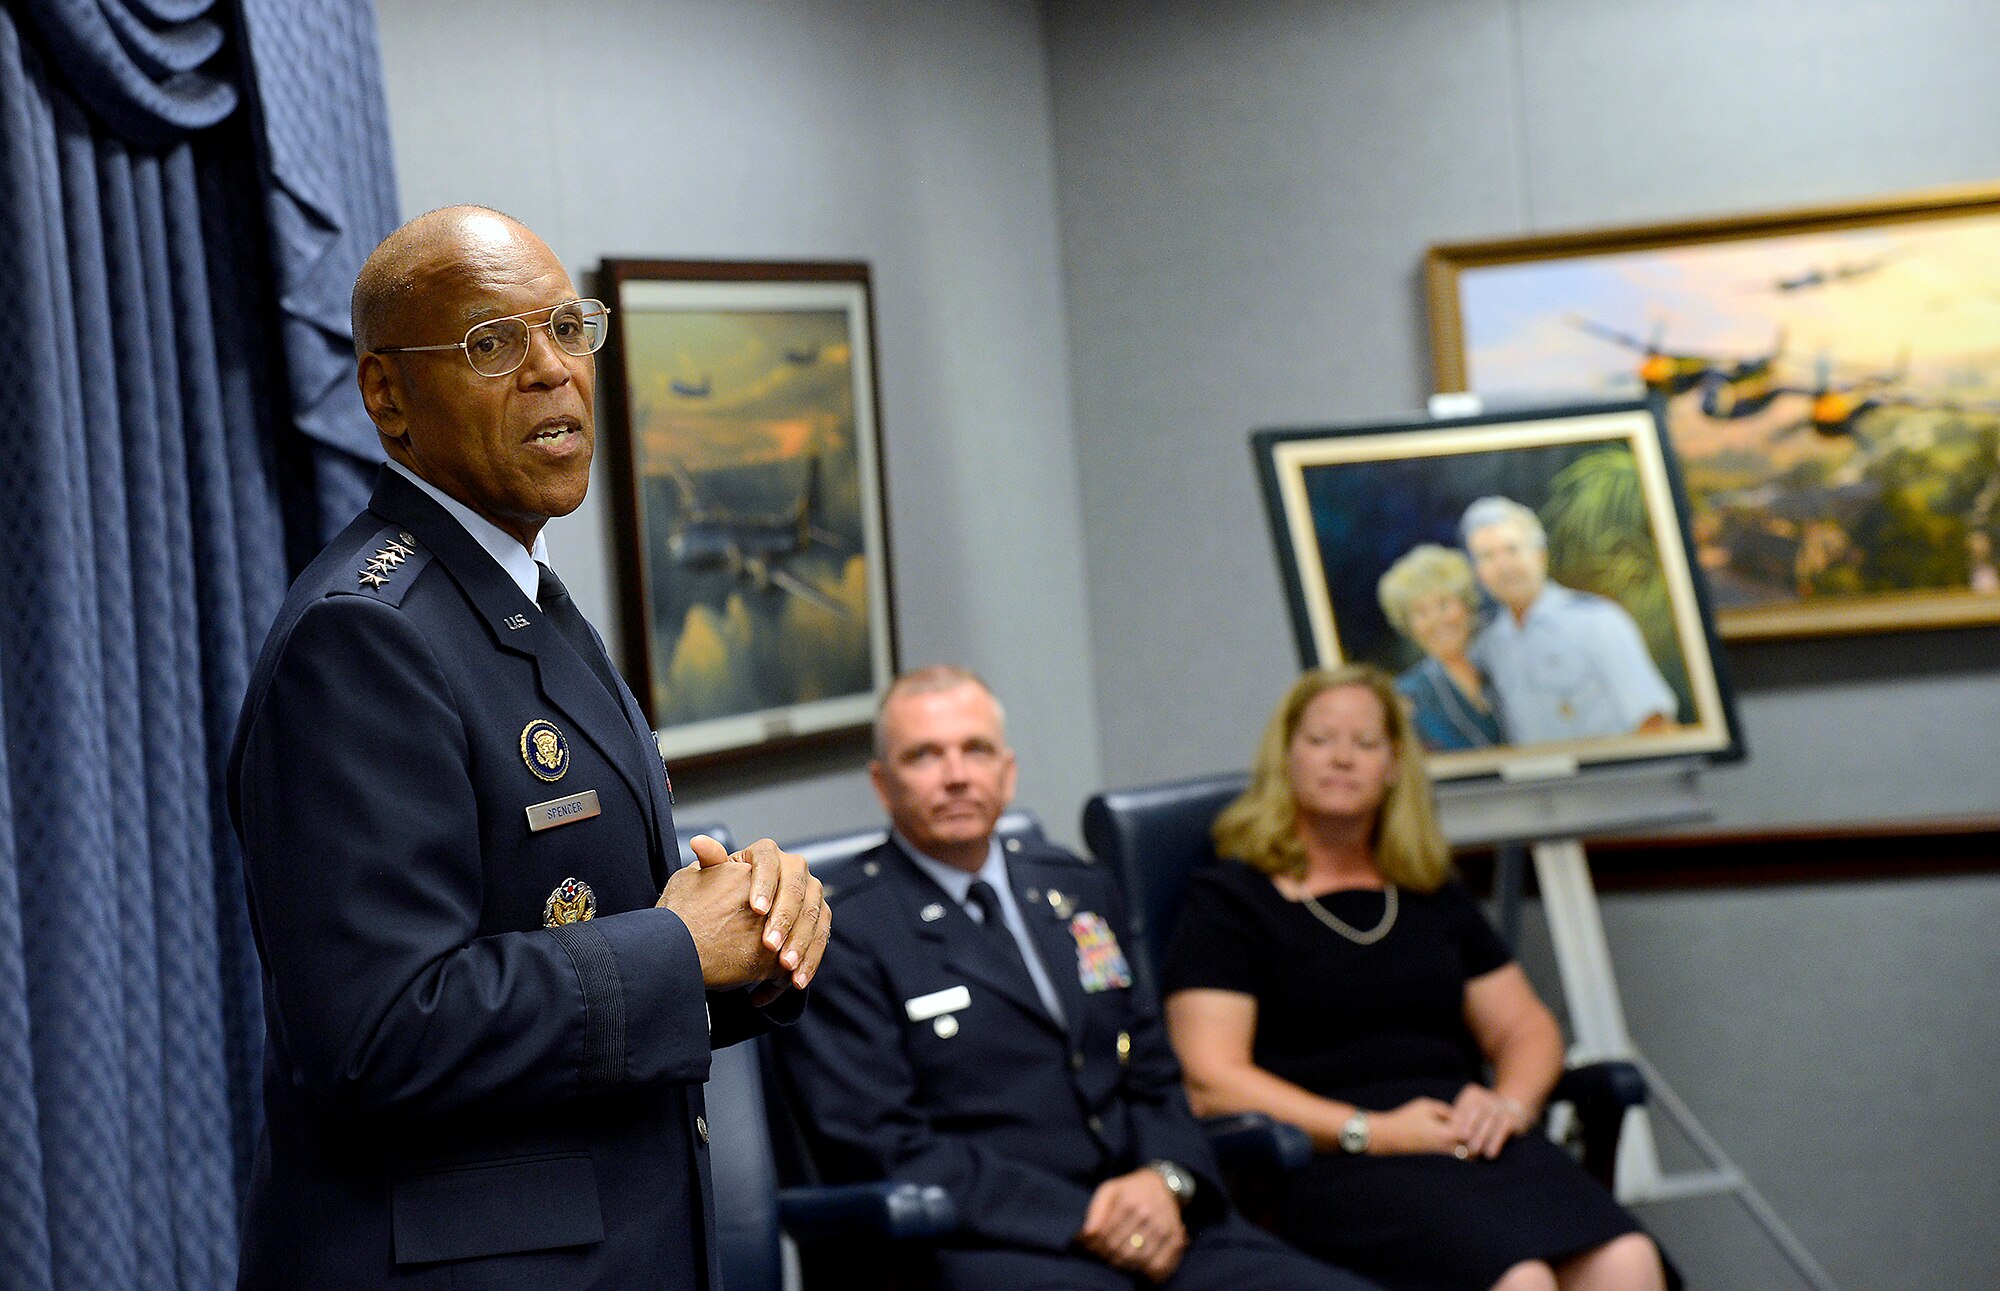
562,811
926,1007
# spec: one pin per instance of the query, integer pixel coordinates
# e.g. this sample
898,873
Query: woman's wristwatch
1354,1134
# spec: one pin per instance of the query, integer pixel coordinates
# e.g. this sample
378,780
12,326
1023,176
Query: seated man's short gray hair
1494,510
923,681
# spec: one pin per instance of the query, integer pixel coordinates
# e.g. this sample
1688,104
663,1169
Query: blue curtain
160,440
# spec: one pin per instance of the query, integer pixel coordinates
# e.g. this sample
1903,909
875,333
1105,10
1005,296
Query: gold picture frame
1829,378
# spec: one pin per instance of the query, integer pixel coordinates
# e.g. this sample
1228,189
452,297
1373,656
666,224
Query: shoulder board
1046,853
387,566
851,879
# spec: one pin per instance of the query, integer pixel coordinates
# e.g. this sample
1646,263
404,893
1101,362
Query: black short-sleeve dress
1377,1026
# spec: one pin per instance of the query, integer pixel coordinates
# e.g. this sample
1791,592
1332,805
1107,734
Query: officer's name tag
937,1003
562,811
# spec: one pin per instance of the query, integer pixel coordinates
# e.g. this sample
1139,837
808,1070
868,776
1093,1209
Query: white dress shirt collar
519,562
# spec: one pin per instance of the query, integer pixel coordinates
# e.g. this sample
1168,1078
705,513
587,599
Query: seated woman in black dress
1334,975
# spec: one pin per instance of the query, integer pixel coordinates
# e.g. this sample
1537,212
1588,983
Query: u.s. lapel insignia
1100,962
931,913
571,902
544,749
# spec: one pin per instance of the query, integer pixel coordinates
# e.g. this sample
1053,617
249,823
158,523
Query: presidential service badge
571,902
1100,964
544,749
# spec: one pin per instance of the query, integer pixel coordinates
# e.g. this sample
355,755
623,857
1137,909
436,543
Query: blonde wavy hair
1421,571
1261,828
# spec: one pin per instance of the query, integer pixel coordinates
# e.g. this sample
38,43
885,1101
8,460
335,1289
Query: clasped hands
1134,1223
757,916
1477,1123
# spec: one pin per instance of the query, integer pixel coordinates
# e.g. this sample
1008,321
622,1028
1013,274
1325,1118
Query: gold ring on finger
1461,1152
1138,1241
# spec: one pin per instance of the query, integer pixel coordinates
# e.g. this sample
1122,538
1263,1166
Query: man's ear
383,395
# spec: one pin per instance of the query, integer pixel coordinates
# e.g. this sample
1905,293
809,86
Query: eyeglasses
499,346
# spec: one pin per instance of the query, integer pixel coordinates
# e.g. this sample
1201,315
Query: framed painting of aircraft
1830,380
746,454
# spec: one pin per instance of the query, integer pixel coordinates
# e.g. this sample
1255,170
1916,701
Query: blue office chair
1156,837
751,1209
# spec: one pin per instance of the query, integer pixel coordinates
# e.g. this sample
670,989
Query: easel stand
1562,810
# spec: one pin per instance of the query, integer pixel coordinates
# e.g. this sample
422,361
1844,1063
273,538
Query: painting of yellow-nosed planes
1833,397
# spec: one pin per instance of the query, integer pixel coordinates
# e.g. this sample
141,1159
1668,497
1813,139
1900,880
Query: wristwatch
1354,1134
1179,1182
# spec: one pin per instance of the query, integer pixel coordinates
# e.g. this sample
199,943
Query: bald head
441,242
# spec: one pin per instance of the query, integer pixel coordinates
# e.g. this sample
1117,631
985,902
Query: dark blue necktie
561,612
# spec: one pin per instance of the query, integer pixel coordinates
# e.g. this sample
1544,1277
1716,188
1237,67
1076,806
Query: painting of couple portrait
1527,578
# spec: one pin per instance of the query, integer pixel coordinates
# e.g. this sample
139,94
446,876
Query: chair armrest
1601,1085
1601,1093
1252,1138
899,1210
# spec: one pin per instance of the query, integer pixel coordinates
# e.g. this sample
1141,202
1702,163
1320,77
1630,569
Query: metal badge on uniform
931,913
660,747
562,811
544,749
515,622
946,1027
1061,904
571,902
1100,964
925,1007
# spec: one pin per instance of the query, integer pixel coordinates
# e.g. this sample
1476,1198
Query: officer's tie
994,924
561,612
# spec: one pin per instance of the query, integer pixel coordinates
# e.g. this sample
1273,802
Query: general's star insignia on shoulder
571,902
380,566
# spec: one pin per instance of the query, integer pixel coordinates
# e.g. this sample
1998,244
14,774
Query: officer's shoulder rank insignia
382,566
544,749
571,902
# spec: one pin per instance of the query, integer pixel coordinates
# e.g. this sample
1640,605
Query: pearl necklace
1348,930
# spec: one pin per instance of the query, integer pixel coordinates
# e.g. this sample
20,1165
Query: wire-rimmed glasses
499,346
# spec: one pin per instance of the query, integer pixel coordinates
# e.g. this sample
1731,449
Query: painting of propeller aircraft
742,431
1830,381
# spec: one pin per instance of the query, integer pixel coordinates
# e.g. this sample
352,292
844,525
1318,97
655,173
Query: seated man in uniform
977,1026
1567,665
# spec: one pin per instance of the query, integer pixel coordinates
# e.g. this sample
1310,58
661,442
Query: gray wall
910,135
1246,193
1110,242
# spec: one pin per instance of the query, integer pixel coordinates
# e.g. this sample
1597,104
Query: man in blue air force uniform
977,1026
490,995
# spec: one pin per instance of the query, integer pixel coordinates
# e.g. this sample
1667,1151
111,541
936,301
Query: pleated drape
143,551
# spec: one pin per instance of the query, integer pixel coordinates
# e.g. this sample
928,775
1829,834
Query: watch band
1354,1134
1179,1182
